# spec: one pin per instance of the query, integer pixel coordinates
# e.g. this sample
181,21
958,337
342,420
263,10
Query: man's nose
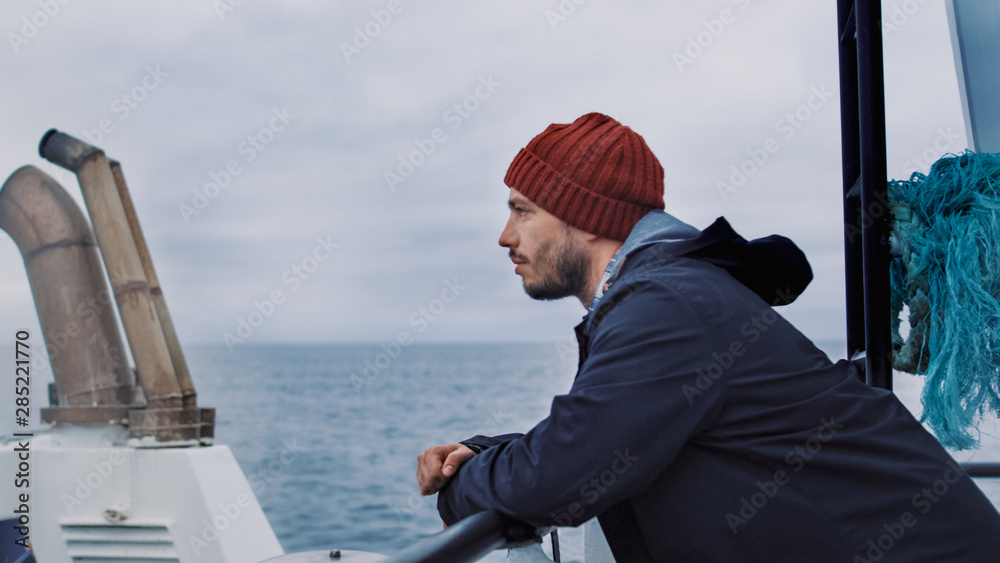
508,238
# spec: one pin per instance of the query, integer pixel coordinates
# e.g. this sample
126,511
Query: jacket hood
773,267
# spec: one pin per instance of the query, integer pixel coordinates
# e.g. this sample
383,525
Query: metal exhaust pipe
73,303
189,396
121,259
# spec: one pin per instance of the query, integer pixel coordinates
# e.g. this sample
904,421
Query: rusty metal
207,423
94,385
188,394
165,424
121,259
87,416
73,303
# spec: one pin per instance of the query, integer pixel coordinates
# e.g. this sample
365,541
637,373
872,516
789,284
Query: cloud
324,173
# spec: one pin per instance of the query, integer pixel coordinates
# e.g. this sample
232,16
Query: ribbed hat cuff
571,202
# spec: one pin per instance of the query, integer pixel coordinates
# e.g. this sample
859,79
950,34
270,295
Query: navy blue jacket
702,426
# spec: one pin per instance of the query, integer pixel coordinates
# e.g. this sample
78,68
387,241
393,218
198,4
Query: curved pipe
66,151
188,394
121,259
73,303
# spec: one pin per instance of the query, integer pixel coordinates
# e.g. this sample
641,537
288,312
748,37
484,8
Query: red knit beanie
595,174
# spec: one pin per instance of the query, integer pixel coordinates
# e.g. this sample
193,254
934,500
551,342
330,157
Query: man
701,425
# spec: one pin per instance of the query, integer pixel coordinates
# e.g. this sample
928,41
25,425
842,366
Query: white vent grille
105,543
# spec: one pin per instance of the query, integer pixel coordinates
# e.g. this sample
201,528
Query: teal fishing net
947,225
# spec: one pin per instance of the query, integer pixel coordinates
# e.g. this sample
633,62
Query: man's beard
568,267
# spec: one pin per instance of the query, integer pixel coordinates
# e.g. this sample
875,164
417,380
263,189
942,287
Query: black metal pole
874,199
851,158
866,211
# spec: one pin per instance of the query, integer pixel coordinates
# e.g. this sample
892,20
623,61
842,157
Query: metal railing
471,539
862,125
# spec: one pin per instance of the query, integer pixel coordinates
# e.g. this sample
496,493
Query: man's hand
436,465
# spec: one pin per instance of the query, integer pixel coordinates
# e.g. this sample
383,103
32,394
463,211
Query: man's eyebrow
511,204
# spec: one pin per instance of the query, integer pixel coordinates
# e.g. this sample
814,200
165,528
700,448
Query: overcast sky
312,105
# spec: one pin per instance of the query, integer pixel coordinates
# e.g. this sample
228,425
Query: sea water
327,435
358,415
351,420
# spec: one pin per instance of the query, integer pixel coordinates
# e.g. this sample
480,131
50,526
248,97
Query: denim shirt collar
655,227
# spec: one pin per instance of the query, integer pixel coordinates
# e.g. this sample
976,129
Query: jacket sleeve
637,398
478,443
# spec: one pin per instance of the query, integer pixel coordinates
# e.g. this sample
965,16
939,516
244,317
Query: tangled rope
947,224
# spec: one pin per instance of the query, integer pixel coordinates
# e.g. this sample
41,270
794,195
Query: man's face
550,259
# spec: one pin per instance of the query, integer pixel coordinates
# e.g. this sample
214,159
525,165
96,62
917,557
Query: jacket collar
655,227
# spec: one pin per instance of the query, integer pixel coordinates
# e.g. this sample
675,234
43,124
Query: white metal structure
95,498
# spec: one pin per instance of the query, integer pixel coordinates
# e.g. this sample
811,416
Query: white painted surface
91,494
